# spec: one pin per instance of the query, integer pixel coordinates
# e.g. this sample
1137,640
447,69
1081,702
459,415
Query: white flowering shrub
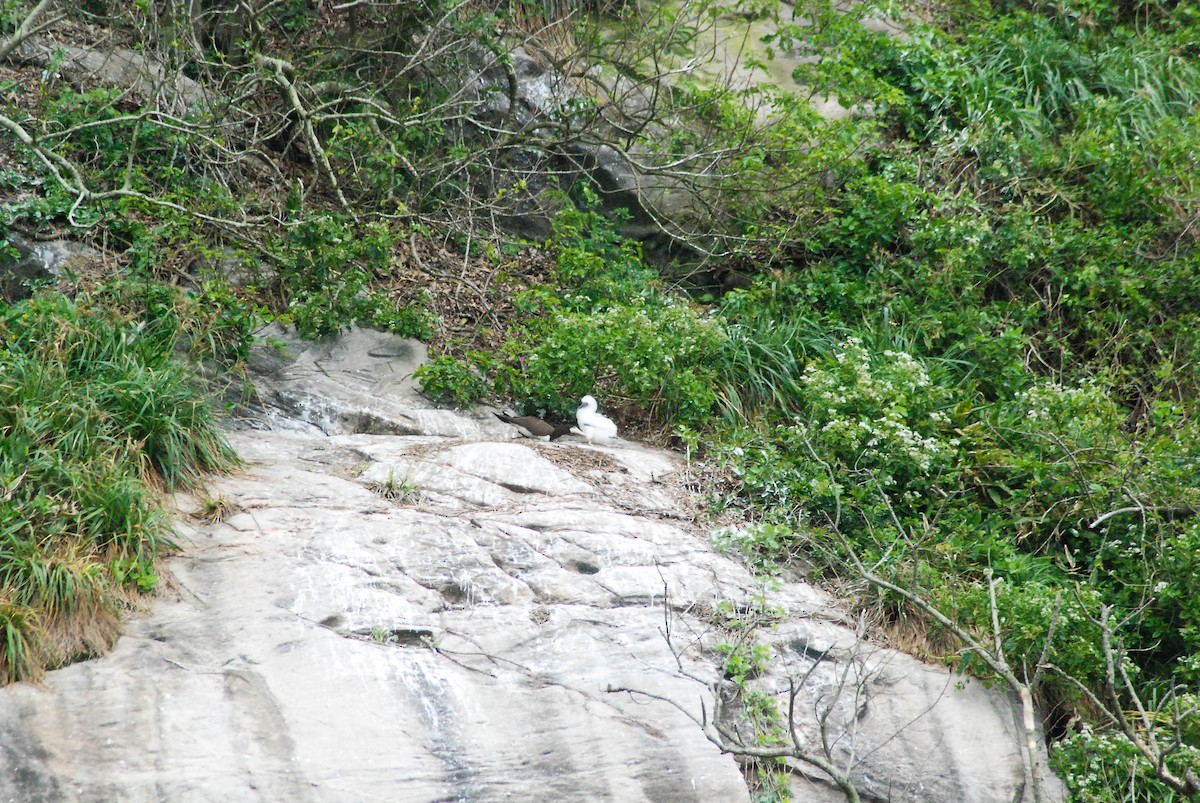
870,432
1103,766
878,415
1083,414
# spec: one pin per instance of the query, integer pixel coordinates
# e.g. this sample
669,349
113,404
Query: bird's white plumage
591,423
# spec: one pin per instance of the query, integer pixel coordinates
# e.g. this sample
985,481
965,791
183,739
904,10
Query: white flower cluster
1049,402
875,410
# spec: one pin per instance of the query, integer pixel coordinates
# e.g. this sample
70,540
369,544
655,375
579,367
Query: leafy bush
451,380
594,265
1025,611
654,357
327,268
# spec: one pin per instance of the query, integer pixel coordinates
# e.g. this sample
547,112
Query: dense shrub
981,363
328,266
649,356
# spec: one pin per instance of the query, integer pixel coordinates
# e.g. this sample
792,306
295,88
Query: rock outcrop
118,66
448,614
26,264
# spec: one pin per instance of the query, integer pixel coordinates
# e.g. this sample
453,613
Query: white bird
591,424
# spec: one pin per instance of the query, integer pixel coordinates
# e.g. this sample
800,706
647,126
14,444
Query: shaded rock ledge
439,615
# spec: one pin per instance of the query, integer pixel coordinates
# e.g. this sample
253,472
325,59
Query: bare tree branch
28,27
281,72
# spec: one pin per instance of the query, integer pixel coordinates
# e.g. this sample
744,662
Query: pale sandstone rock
327,643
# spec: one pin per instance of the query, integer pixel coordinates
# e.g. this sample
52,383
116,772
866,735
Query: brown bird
533,427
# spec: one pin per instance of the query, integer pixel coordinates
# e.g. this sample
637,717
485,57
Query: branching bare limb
992,657
30,26
282,73
1143,734
424,71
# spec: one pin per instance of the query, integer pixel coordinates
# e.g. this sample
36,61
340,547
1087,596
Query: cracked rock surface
443,613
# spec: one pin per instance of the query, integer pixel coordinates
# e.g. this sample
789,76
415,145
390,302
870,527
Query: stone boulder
117,66
29,263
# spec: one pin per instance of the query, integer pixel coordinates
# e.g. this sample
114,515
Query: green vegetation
402,490
601,323
965,358
744,659
990,361
97,416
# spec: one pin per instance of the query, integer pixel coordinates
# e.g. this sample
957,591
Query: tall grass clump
97,416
